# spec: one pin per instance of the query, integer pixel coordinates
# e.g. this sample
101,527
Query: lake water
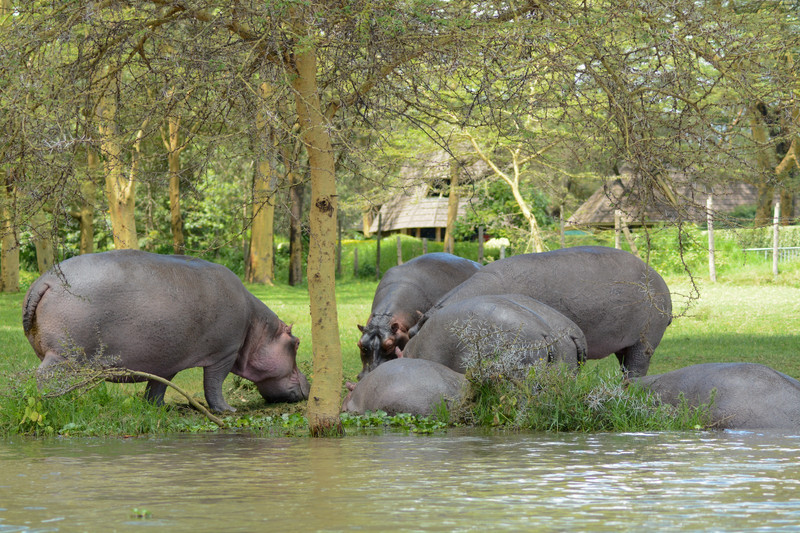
457,481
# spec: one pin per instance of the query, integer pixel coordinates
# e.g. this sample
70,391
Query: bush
553,398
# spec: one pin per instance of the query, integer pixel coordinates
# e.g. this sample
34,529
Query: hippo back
512,326
617,300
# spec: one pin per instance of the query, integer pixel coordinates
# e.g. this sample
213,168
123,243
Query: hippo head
382,339
269,359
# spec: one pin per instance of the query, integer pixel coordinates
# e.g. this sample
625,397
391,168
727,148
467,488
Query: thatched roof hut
421,208
641,205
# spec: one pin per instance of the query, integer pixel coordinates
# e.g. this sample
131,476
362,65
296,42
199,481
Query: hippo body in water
405,292
162,314
414,386
746,395
621,304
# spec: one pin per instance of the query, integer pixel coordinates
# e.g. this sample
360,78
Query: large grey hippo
748,395
516,326
404,293
621,304
163,314
413,386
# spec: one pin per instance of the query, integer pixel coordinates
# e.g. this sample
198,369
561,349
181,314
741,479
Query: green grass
746,316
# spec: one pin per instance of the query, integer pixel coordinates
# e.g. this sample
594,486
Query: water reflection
460,481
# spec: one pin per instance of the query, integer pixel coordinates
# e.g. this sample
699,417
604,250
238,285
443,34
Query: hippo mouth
293,388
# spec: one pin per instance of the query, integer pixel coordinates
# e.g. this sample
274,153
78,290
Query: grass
746,316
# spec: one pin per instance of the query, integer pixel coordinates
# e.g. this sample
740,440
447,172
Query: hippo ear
397,326
360,328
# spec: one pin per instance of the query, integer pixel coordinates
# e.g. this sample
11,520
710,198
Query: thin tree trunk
121,189
325,398
88,194
766,164
43,244
452,208
296,194
260,259
174,149
9,256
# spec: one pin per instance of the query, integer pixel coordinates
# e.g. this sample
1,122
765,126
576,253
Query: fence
785,253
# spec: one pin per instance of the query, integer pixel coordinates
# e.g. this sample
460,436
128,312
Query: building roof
414,210
642,204
413,207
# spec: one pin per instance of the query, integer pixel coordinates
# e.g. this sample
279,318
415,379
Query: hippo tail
32,299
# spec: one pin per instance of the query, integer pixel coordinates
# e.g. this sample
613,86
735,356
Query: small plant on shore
508,390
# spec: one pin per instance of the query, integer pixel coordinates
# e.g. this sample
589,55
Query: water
461,481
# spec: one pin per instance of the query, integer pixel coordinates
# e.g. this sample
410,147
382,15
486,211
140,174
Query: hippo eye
388,345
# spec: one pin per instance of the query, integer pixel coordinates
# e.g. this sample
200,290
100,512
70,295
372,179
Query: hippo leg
154,392
213,376
635,359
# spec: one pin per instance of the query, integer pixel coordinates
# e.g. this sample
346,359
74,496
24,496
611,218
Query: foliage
553,398
495,209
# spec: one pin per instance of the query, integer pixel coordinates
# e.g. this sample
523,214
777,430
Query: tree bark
174,149
88,194
261,260
121,189
452,208
766,165
296,194
9,257
325,398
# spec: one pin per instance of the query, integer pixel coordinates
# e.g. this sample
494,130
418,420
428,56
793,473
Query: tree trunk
452,208
325,398
174,150
121,190
88,194
43,243
296,194
766,165
260,259
366,221
9,254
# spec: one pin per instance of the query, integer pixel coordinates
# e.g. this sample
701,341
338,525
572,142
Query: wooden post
378,248
776,224
561,225
424,245
480,244
339,251
617,217
503,251
712,265
399,251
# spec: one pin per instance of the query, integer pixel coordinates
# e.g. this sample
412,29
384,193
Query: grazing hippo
413,386
405,292
162,314
622,305
519,327
748,395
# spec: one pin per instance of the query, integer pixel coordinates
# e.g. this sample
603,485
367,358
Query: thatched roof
414,210
647,204
415,206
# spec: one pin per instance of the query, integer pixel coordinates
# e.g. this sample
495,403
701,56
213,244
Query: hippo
511,324
620,303
161,314
414,386
404,293
748,395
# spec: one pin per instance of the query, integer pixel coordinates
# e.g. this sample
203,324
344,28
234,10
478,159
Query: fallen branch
197,405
